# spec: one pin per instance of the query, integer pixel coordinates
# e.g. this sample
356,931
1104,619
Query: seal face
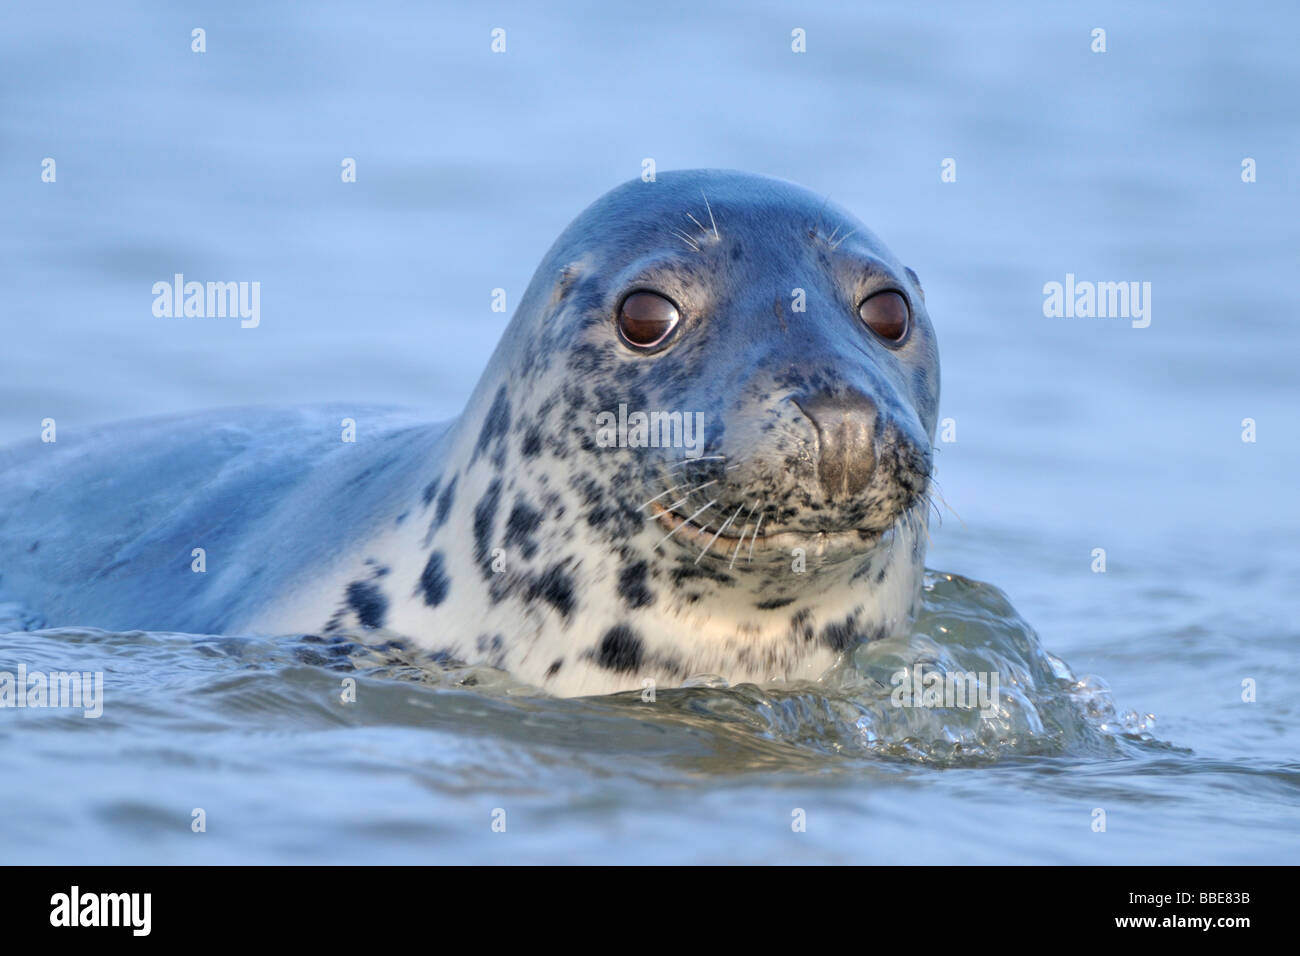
703,446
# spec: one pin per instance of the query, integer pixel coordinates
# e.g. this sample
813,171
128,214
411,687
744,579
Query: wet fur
510,538
585,596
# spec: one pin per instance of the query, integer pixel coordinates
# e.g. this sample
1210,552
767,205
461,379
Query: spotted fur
538,551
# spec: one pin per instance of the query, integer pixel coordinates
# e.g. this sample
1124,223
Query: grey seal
703,446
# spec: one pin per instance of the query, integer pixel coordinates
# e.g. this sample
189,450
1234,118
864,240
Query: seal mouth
757,541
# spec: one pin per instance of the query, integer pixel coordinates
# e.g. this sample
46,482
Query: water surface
1071,434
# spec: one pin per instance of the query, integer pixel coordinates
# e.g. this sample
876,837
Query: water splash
1034,703
966,632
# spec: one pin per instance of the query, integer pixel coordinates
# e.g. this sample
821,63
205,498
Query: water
1072,434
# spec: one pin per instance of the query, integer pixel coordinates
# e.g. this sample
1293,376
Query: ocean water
1071,434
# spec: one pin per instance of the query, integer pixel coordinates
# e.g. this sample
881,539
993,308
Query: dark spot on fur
369,603
430,490
573,393
532,443
493,647
694,572
485,516
841,635
772,604
801,626
555,667
555,587
444,503
620,650
862,571
495,424
520,526
615,516
632,585
434,583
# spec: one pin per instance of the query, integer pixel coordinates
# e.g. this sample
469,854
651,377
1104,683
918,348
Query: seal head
703,446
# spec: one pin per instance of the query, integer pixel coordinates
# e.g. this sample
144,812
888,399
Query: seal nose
846,426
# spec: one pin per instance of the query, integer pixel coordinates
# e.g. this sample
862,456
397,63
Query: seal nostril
846,425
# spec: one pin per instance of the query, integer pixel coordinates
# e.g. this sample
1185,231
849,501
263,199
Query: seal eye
646,319
886,314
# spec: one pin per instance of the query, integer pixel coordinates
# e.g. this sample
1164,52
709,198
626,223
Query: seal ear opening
917,281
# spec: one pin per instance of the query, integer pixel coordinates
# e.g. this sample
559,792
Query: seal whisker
754,538
727,468
930,505
713,221
686,239
741,540
939,493
735,552
691,461
721,529
836,245
688,498
687,521
703,228
906,519
661,494
817,227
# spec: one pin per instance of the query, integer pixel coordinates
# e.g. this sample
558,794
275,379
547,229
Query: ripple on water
1006,696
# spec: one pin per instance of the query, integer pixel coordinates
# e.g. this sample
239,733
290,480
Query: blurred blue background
1072,434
